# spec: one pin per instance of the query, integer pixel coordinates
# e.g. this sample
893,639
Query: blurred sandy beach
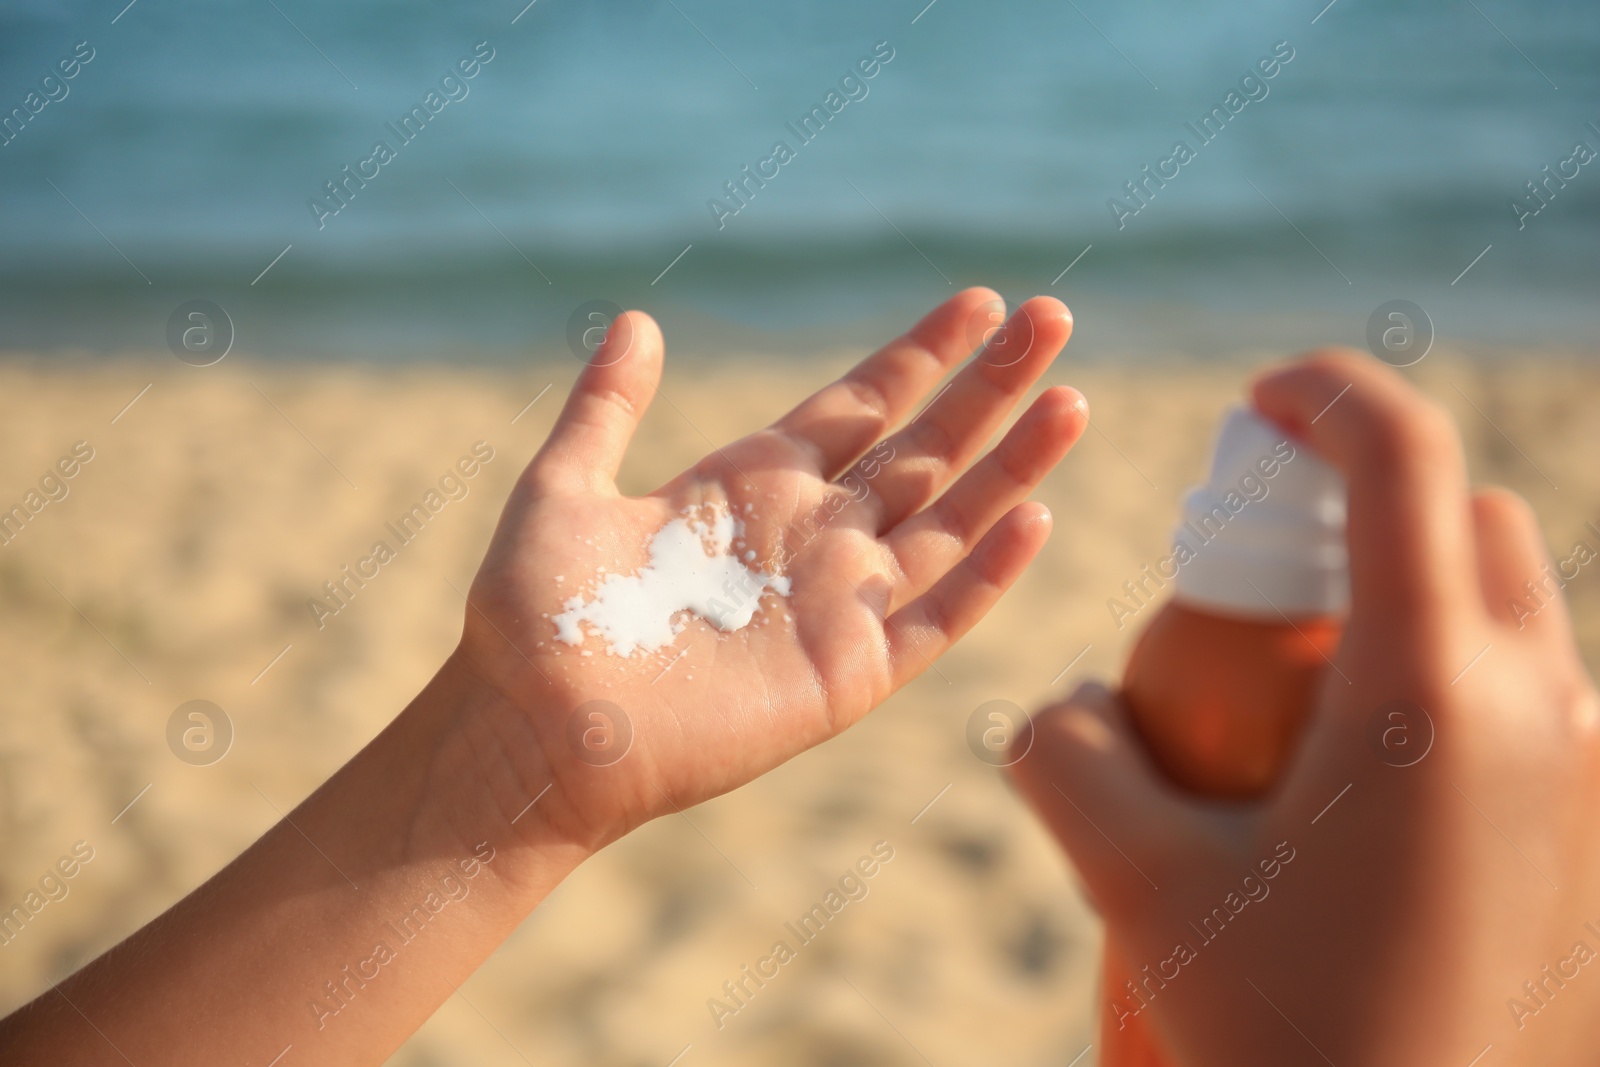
178,564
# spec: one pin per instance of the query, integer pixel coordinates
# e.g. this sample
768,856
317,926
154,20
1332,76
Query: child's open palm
890,551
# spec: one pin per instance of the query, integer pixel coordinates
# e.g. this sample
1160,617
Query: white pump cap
1265,534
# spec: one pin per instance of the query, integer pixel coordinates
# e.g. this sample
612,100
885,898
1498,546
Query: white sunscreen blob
691,569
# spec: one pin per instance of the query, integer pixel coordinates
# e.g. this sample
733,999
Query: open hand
890,554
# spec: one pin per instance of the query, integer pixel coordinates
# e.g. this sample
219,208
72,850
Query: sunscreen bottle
1220,682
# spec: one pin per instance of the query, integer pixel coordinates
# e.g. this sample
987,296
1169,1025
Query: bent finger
1521,586
1087,776
1410,528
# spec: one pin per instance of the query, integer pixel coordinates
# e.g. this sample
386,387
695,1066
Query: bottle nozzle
1264,536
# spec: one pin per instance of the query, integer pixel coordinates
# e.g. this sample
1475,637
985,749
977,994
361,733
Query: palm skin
891,560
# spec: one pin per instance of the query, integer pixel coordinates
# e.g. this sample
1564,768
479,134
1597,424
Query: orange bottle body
1220,702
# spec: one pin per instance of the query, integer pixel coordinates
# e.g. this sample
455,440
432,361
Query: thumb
1088,778
587,443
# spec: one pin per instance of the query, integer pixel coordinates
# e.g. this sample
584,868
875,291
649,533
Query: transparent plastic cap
1264,537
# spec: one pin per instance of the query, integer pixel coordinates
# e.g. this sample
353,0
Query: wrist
488,780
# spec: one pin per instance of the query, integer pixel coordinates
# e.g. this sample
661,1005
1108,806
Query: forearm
344,927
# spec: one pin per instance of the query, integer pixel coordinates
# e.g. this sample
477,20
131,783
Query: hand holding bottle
1383,904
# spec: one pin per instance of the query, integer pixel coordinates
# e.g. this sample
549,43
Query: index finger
1410,523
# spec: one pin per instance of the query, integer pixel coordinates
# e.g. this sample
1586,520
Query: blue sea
629,152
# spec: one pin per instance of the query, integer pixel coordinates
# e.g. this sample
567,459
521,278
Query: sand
179,565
